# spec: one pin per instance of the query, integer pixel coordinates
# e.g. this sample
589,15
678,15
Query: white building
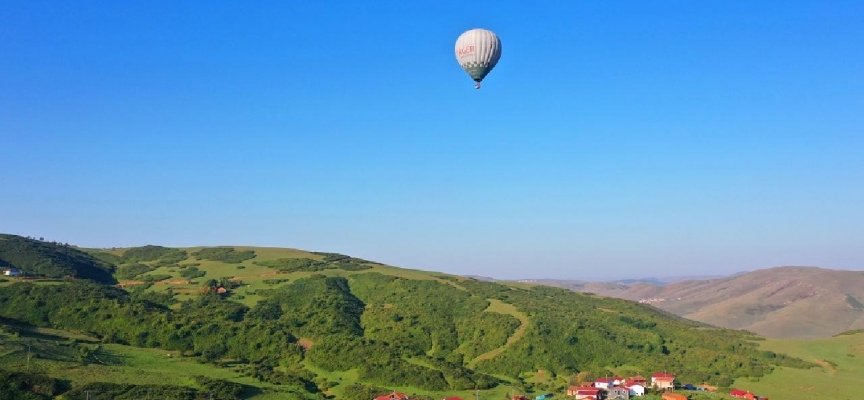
636,389
12,272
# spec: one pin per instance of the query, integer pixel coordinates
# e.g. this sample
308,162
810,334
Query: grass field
839,377
254,277
56,354
500,307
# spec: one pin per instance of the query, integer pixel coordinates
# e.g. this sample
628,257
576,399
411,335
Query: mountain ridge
782,302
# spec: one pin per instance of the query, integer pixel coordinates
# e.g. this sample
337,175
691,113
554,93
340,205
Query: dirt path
509,309
827,365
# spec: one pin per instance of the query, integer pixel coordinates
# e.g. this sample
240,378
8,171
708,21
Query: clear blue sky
613,140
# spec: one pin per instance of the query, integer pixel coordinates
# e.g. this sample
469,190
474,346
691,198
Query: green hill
316,324
51,260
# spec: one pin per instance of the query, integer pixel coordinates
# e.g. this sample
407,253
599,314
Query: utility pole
28,356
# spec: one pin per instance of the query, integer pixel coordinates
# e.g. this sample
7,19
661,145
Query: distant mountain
783,302
51,260
481,278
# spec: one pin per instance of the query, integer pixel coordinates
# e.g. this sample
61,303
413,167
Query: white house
602,383
636,389
12,272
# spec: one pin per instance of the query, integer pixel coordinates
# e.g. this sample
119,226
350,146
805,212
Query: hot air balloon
478,51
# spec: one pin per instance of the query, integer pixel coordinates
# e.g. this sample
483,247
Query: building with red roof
585,392
393,396
603,382
743,394
663,381
636,380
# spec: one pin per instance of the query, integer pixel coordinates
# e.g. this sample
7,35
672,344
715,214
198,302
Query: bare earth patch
826,365
305,343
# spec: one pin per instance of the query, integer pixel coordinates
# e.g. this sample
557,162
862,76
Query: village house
663,381
393,396
636,380
617,393
635,389
744,394
618,381
603,383
12,272
585,392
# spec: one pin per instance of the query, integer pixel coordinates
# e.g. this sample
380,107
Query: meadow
839,376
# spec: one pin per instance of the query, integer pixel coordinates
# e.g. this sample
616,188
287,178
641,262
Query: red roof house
393,396
584,392
743,394
603,382
663,381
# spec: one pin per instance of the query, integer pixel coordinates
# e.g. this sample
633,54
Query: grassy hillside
323,324
52,260
786,302
838,377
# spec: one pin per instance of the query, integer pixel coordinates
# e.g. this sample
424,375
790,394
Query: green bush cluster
224,254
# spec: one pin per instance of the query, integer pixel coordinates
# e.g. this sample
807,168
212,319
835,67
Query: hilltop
308,324
782,302
39,258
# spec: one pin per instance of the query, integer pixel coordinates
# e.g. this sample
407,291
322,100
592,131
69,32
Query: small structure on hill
12,272
603,383
636,380
635,389
745,394
663,381
585,392
618,393
393,396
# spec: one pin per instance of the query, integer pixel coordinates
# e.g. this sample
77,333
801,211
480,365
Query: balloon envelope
478,51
